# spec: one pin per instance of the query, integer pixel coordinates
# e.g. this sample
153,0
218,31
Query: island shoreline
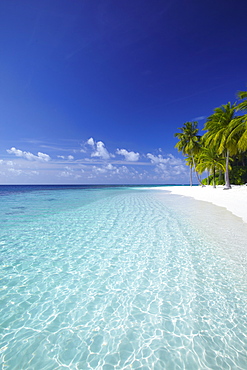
234,199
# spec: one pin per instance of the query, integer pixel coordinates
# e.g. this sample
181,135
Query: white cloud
15,151
169,171
110,171
161,167
110,167
129,156
91,142
101,151
157,159
31,157
179,170
168,167
15,172
96,169
66,174
70,157
71,173
97,164
170,159
105,169
42,156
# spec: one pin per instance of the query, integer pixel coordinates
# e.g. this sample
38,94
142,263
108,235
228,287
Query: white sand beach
234,200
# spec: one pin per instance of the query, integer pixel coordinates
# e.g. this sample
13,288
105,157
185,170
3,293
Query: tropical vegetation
189,143
222,149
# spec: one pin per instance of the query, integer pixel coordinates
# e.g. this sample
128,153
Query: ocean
120,278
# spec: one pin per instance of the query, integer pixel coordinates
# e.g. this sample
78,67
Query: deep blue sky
123,74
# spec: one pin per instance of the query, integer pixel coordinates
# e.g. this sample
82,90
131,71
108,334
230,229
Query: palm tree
239,124
210,160
219,128
189,162
242,95
189,143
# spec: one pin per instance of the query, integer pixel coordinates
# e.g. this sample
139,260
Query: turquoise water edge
120,278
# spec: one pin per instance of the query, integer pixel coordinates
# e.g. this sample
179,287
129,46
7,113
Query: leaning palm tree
219,136
189,143
239,124
211,161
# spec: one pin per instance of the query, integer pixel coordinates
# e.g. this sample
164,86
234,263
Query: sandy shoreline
234,200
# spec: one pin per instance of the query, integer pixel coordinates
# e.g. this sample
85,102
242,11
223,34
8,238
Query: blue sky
92,91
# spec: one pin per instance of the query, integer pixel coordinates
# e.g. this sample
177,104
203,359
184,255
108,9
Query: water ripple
124,283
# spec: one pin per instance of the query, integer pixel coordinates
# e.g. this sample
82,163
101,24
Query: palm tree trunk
214,178
227,180
190,175
220,177
198,178
194,165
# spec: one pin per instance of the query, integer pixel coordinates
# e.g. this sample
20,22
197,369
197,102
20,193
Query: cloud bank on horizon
91,162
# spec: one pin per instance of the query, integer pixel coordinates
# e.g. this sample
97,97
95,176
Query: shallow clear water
120,278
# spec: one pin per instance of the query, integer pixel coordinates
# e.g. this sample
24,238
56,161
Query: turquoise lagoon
120,278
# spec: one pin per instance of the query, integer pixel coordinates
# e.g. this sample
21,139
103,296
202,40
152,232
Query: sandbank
234,199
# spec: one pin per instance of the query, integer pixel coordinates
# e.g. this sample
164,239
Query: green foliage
242,95
209,159
224,142
210,181
239,124
218,127
238,175
189,144
188,138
